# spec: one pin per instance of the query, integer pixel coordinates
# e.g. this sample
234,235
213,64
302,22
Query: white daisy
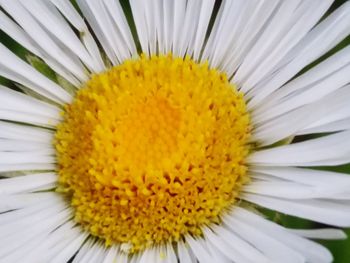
107,155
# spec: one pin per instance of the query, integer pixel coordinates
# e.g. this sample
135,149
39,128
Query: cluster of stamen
152,150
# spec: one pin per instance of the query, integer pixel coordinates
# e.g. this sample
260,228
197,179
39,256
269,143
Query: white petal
67,9
197,25
188,26
332,126
313,252
203,21
138,12
302,83
179,16
11,202
320,87
117,14
111,254
43,39
320,39
28,118
170,254
293,190
115,255
84,252
198,250
340,112
331,213
25,133
14,68
96,253
236,26
217,255
27,167
28,183
12,225
148,255
18,34
21,235
328,150
290,24
290,123
150,15
106,30
7,145
168,22
305,176
333,187
324,233
184,253
26,250
232,246
72,245
24,157
176,26
277,26
273,249
48,16
16,101
27,204
57,243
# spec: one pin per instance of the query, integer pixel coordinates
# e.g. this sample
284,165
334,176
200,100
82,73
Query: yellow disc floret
152,150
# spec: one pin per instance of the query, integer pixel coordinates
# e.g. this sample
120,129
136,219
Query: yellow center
152,150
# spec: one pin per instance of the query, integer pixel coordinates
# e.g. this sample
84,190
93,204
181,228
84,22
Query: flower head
163,143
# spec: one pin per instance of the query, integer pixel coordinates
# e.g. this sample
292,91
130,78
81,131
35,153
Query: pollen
153,150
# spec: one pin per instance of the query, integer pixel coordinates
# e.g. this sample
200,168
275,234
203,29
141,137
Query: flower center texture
152,150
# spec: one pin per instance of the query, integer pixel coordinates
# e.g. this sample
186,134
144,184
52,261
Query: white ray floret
324,233
328,150
302,116
18,34
21,72
50,18
303,83
105,28
25,133
43,39
332,126
336,27
327,212
70,240
300,249
69,12
28,183
305,16
18,102
294,18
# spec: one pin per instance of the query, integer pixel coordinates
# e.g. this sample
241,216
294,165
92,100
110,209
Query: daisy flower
158,131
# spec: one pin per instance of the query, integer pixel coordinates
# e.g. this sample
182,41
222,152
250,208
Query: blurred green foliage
340,249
